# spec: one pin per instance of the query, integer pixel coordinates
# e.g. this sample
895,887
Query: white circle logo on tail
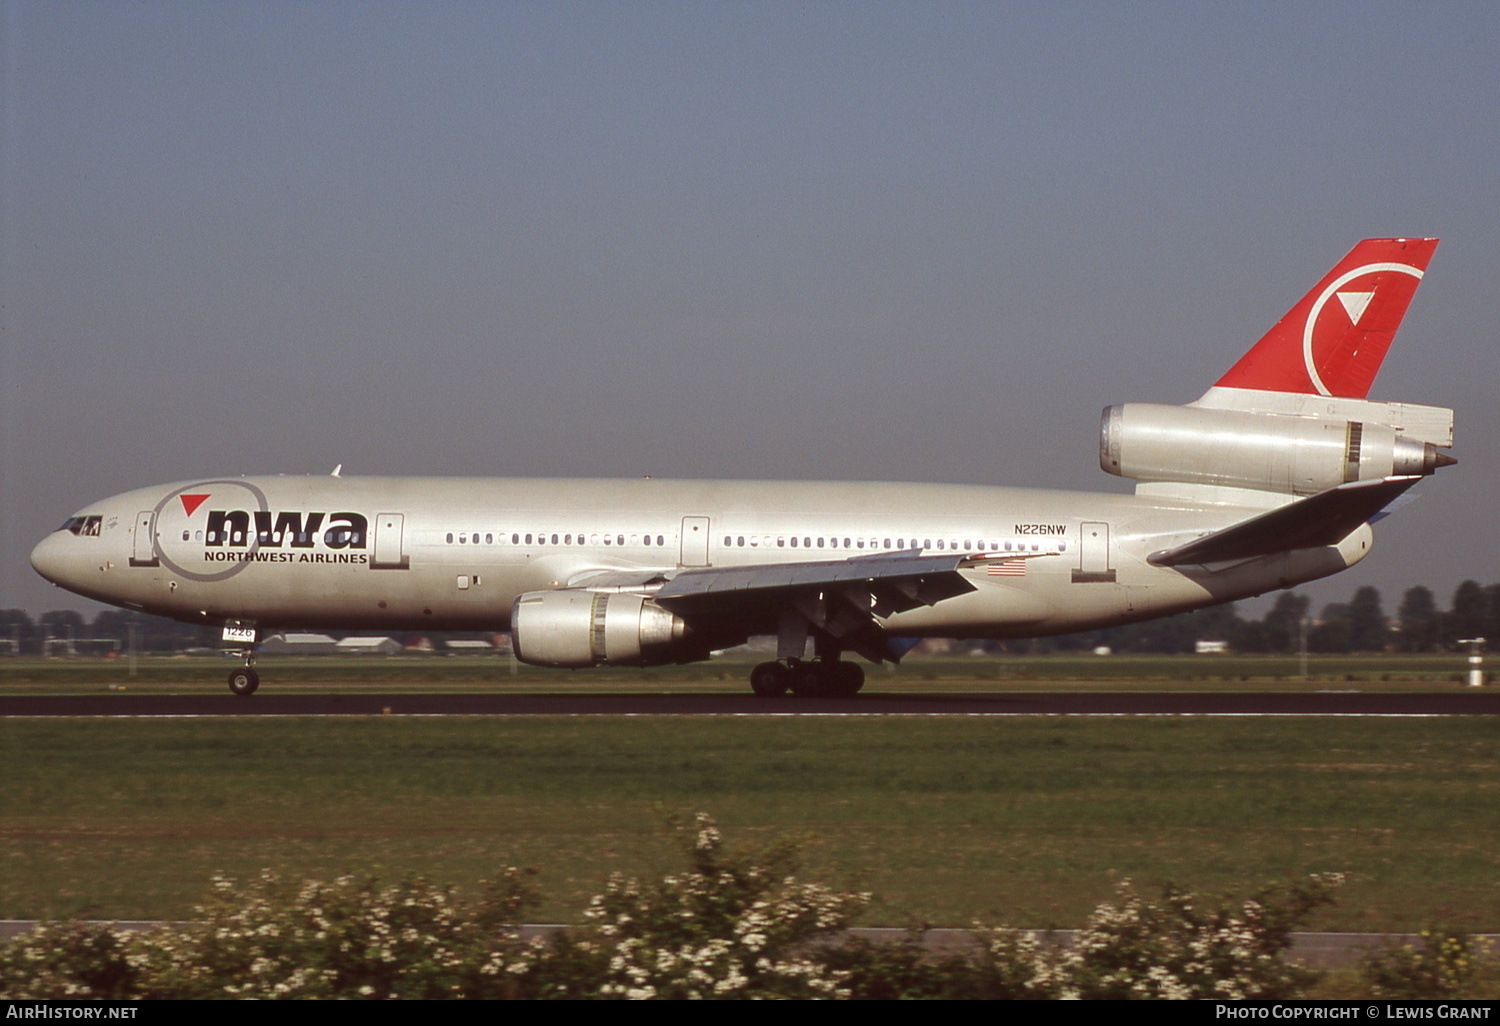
1354,302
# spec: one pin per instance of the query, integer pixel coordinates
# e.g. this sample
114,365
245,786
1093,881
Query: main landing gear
819,678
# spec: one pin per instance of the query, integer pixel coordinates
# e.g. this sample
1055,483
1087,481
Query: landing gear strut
819,678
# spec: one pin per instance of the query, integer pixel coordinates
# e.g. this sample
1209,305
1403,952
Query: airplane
1270,479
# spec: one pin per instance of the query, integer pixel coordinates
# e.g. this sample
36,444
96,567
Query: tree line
1359,625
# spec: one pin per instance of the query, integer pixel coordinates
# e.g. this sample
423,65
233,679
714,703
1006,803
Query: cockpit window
87,527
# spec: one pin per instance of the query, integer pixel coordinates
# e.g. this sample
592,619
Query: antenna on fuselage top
336,470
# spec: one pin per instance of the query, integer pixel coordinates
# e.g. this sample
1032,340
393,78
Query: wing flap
1326,518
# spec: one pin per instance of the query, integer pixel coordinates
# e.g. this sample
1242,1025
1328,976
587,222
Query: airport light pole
1476,661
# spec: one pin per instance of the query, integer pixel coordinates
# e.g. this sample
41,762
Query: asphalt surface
269,703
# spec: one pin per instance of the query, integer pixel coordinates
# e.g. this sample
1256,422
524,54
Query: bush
1446,963
1130,948
1175,949
63,961
730,926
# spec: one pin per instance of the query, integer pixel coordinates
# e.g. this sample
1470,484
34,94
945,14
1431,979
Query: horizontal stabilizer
1323,519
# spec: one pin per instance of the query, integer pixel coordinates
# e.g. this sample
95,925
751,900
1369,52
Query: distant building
1211,647
470,647
298,644
368,646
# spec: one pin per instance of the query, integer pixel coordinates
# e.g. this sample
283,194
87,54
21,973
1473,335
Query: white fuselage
455,553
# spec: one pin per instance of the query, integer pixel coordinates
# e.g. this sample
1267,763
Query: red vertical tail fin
1333,341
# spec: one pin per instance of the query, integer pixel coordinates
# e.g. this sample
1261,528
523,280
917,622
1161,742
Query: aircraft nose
51,558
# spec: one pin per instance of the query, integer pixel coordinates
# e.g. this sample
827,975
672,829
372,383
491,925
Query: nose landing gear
242,635
244,681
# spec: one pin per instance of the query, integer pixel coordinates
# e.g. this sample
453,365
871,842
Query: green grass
184,674
1029,821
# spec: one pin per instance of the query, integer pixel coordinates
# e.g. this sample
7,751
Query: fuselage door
1093,554
390,551
143,549
695,541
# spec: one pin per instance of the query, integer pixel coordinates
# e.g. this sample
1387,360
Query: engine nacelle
580,628
1268,452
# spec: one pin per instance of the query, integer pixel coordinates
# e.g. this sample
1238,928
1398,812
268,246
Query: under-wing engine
582,628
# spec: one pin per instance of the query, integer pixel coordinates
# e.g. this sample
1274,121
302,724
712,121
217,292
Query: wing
844,599
1326,518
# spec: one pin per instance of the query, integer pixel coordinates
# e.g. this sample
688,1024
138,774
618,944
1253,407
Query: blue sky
803,240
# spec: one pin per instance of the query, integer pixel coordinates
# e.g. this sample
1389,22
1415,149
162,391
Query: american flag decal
1007,568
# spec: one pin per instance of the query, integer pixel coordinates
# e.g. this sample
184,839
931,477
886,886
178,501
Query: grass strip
1026,821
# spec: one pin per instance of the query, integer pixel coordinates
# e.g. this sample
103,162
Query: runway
1465,703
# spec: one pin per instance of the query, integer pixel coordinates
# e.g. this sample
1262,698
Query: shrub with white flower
729,927
352,937
67,962
1177,948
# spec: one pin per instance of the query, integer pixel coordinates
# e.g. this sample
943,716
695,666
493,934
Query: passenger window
620,539
659,540
794,543
185,536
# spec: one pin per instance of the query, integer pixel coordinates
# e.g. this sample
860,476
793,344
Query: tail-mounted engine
580,628
1270,452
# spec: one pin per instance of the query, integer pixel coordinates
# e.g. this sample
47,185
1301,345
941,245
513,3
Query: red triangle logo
192,502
